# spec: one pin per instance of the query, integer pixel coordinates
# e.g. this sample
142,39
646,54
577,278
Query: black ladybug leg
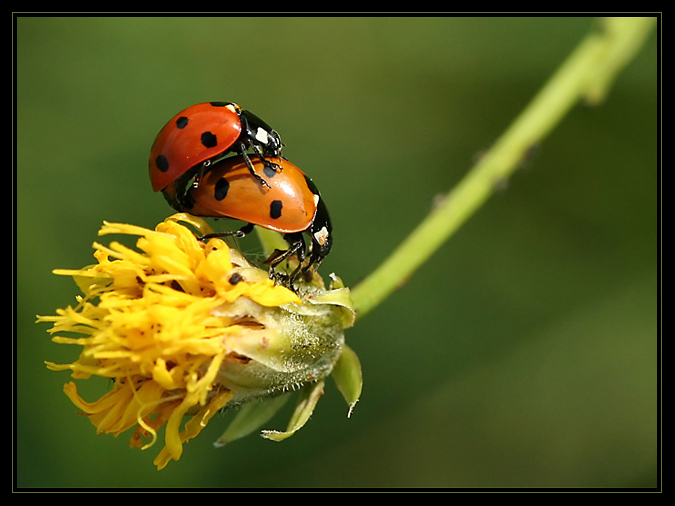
313,262
251,169
279,256
200,173
269,166
242,232
297,248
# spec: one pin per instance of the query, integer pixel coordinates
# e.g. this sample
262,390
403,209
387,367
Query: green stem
586,74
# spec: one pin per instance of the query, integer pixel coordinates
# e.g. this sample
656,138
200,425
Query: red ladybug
203,134
291,205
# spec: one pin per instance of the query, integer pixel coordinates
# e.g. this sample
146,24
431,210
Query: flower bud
185,328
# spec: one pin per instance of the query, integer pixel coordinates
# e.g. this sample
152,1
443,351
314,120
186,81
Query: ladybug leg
200,173
251,169
297,248
314,261
242,232
269,166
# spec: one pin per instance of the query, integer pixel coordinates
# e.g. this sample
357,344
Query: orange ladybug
290,204
203,134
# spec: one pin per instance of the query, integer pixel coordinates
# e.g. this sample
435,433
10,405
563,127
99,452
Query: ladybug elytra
204,133
291,205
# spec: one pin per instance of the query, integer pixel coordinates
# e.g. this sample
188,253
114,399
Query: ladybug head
259,133
321,232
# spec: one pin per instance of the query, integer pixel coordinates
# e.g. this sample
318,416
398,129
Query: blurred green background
523,354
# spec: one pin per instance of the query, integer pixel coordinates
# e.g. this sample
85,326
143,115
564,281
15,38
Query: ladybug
291,205
203,134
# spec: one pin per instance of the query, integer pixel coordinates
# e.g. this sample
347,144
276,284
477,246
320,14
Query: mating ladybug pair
218,160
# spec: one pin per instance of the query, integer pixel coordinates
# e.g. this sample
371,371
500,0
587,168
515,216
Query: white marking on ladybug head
262,136
321,236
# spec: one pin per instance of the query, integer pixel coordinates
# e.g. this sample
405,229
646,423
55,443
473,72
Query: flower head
185,328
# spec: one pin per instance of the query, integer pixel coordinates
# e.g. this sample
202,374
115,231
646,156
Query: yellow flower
186,328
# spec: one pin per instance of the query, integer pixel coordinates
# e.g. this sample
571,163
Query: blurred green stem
586,75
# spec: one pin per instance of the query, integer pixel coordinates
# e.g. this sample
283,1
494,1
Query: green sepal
348,377
309,396
251,417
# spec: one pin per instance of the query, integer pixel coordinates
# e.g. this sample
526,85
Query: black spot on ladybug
275,209
182,122
162,163
222,186
270,170
219,104
235,278
209,140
